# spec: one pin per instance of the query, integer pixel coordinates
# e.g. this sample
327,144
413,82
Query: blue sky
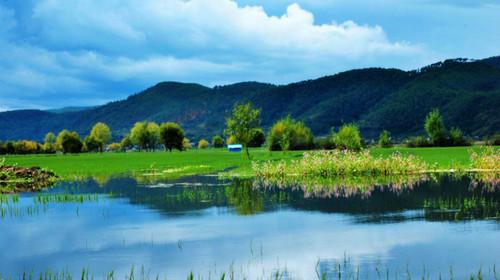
56,53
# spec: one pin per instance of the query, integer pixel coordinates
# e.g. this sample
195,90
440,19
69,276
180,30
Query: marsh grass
342,269
331,164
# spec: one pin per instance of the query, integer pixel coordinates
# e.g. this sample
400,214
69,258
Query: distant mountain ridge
466,92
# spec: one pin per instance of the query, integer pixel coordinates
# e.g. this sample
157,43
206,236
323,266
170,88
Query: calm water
209,226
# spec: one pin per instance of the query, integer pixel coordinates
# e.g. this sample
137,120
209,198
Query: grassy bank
204,161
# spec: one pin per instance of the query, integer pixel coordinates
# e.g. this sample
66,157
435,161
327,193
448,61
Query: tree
289,134
24,147
348,138
203,144
145,134
384,140
49,145
217,141
435,128
243,120
101,133
171,135
126,143
115,147
69,142
92,144
258,138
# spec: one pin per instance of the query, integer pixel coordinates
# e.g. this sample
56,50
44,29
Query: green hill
466,92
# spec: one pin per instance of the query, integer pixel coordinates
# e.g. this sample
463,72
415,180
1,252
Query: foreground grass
192,162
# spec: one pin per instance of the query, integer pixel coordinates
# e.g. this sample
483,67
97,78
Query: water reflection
205,225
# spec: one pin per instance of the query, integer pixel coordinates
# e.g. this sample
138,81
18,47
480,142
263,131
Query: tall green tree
240,125
145,134
172,135
435,128
101,133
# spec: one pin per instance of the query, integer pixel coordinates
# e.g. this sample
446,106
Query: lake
209,226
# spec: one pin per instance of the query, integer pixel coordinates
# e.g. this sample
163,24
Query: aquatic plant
329,164
486,166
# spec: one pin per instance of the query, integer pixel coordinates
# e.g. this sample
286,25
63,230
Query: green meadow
196,161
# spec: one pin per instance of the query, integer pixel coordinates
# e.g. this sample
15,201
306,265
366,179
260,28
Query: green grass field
202,161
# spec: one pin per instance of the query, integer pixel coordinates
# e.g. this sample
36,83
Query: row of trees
242,127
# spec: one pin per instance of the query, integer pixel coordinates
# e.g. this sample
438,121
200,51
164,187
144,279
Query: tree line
243,127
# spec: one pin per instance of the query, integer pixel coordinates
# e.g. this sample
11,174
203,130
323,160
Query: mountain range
467,93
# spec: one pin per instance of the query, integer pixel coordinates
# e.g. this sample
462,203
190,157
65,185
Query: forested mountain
466,92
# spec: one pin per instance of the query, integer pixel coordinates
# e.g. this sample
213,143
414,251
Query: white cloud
85,47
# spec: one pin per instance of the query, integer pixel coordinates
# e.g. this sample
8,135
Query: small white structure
234,148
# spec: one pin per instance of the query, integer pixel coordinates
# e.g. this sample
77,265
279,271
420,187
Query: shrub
457,138
289,134
418,141
384,140
494,140
324,143
171,134
186,144
24,147
114,147
217,141
3,148
258,138
348,138
203,144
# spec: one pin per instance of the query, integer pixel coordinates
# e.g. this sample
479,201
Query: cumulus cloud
82,48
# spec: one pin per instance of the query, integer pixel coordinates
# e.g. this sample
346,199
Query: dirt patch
24,179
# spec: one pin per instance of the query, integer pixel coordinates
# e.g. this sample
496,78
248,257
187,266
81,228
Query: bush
3,148
348,138
258,138
186,144
418,141
384,140
203,144
115,147
217,141
324,143
494,140
289,134
25,147
457,138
